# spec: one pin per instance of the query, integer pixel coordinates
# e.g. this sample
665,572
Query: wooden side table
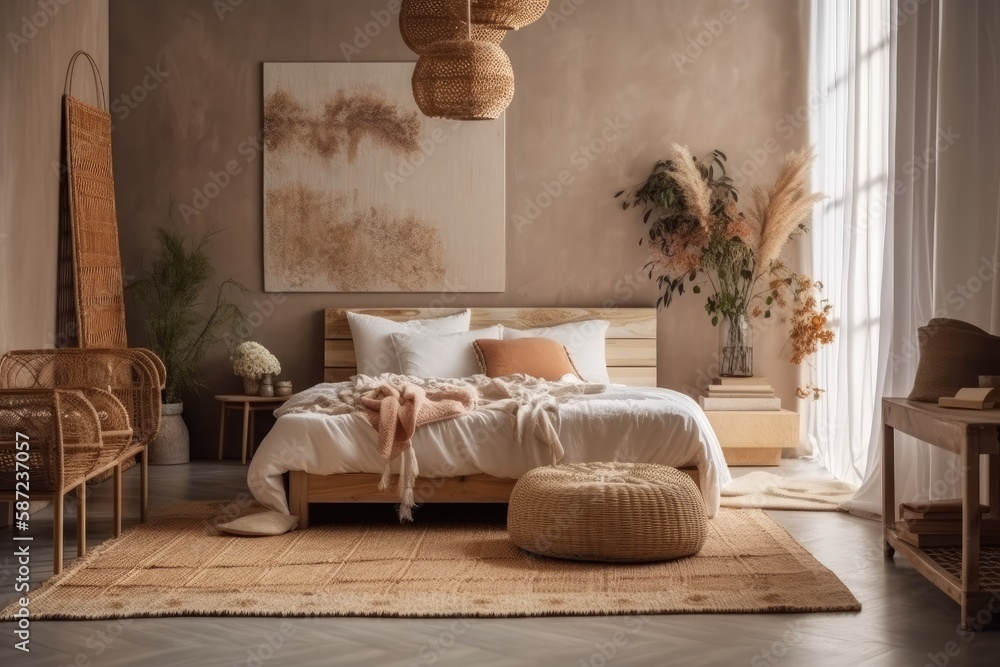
248,404
754,437
968,433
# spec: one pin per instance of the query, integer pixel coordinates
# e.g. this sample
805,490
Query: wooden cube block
754,438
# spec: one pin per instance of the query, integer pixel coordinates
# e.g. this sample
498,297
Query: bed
332,459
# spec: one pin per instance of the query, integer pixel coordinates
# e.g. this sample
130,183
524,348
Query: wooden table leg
222,429
143,484
117,506
253,436
888,487
246,419
993,461
970,531
57,533
81,520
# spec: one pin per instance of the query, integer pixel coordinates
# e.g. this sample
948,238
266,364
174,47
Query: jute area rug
178,564
763,490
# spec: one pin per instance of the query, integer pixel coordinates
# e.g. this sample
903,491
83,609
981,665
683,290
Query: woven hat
463,80
426,22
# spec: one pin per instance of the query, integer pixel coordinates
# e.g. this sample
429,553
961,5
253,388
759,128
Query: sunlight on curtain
851,88
942,225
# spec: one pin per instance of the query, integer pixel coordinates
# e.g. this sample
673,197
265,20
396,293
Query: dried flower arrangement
252,360
696,230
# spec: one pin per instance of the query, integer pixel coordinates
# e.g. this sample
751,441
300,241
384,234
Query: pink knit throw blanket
396,411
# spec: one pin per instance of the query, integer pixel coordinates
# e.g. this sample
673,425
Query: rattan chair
127,381
50,442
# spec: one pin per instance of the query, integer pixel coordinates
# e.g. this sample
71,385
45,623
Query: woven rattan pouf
625,512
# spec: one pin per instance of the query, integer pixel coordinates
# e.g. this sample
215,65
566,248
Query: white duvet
619,424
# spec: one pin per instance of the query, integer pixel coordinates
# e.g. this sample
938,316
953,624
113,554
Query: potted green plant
181,326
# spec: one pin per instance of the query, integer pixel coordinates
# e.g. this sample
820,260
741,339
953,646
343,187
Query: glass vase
735,346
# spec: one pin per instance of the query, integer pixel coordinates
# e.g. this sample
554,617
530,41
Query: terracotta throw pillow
953,354
538,357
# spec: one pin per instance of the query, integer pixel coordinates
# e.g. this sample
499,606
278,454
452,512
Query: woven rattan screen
97,265
100,299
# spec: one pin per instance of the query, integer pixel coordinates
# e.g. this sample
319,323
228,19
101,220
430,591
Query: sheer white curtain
937,254
851,82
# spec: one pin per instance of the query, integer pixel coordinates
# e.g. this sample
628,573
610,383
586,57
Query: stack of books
740,394
938,523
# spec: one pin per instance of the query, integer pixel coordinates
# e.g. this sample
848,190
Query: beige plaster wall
38,40
602,89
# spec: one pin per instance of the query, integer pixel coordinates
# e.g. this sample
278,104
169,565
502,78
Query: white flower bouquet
252,360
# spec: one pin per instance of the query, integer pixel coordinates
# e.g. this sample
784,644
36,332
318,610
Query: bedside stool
754,437
248,404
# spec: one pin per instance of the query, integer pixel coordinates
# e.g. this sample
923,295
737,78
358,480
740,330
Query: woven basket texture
99,292
622,512
64,439
423,23
463,80
509,14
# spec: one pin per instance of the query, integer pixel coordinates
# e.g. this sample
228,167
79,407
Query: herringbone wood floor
905,621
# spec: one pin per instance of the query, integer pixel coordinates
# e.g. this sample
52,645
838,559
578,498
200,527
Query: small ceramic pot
283,388
266,386
251,386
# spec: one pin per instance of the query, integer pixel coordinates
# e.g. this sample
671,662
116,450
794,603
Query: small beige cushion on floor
261,523
617,512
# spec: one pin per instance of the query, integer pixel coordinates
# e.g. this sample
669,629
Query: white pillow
583,340
373,346
261,523
447,356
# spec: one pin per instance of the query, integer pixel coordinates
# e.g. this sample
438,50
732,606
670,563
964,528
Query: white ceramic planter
173,443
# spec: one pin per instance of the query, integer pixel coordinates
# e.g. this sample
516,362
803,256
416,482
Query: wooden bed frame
631,357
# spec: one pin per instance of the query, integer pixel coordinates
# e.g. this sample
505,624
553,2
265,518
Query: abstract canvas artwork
362,193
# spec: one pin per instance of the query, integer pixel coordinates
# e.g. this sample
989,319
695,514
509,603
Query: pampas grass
776,213
692,185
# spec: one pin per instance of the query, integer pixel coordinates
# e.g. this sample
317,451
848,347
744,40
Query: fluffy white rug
764,490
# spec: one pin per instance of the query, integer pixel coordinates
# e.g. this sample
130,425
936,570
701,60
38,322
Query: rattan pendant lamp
423,23
426,22
508,14
463,79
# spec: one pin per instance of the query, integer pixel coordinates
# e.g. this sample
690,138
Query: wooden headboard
631,338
